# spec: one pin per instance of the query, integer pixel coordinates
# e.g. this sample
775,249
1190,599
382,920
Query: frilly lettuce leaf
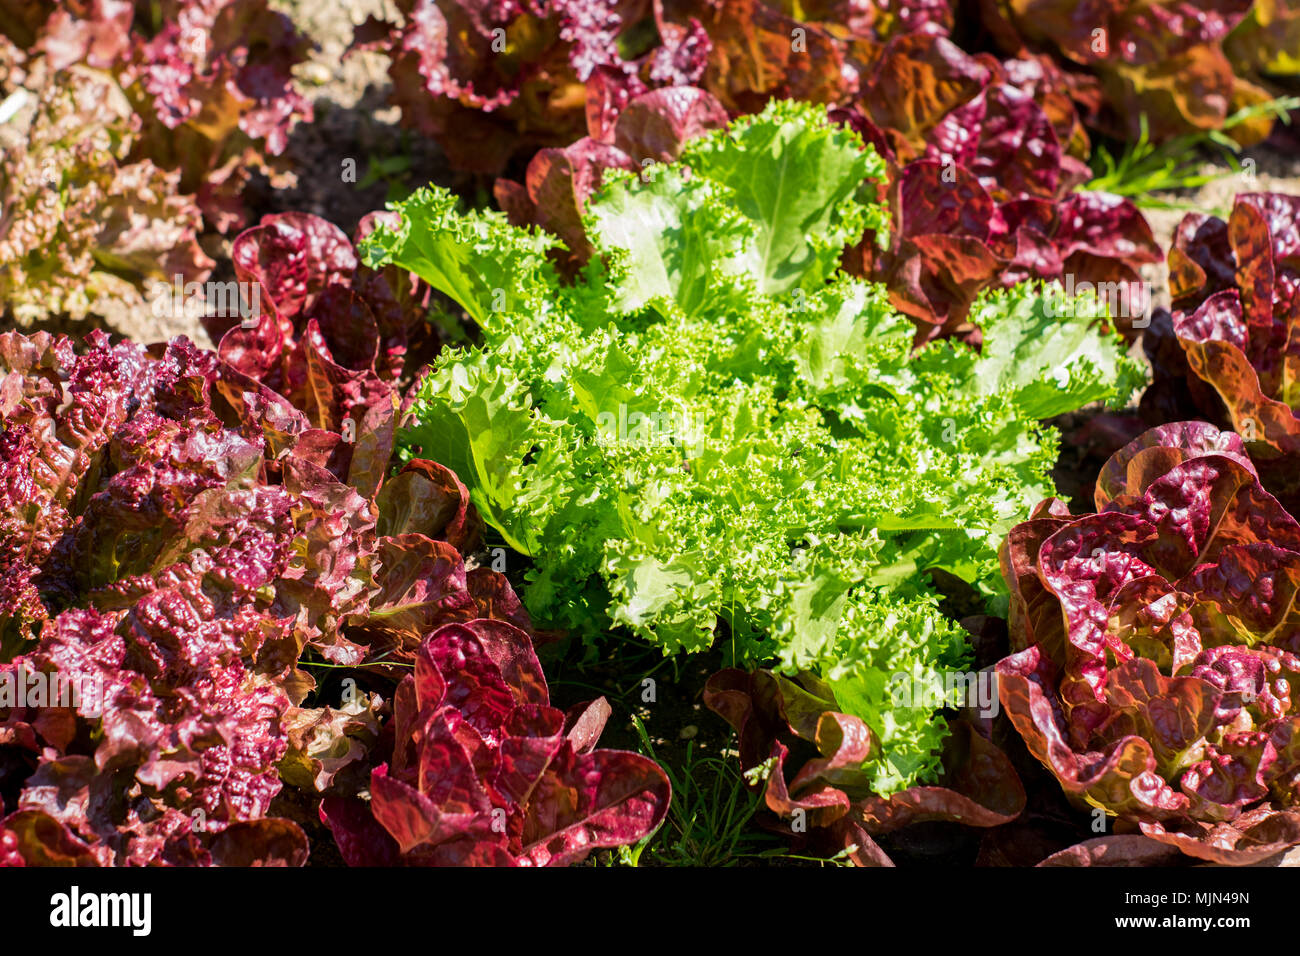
712,426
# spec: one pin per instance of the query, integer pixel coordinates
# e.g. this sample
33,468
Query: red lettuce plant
145,646
1162,59
484,772
332,338
1231,346
214,82
85,228
492,81
758,50
209,80
780,721
174,532
1156,647
127,136
320,370
1263,47
985,160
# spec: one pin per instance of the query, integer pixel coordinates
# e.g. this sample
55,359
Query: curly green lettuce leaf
715,435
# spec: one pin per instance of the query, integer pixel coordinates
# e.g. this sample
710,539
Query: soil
353,121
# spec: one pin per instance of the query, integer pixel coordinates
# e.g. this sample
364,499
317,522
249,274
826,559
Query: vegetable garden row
789,397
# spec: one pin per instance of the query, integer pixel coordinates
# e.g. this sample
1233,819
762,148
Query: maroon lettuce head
324,334
179,529
485,772
1156,644
493,81
815,775
144,644
1162,60
1231,347
985,159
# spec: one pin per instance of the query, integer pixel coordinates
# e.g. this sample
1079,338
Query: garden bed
648,435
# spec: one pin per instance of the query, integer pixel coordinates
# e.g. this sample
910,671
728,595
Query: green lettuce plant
715,435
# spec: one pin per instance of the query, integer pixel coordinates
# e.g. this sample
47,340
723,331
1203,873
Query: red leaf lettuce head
1157,642
177,527
485,772
491,81
214,81
210,82
1232,342
1263,48
142,654
1160,58
323,336
796,725
985,160
89,227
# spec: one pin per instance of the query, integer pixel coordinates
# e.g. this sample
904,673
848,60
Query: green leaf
477,258
476,420
664,239
800,180
1047,351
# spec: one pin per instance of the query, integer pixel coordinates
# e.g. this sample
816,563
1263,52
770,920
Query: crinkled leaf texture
140,552
1162,59
986,158
177,527
209,82
484,772
1231,347
713,423
491,82
136,132
1156,647
87,228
